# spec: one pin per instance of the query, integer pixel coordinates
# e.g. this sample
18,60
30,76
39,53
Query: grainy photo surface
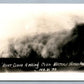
41,37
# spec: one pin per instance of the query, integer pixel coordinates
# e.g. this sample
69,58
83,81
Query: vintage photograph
41,37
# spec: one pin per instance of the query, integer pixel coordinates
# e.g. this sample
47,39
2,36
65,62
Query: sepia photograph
41,37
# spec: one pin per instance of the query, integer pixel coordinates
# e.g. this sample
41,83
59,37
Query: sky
18,19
